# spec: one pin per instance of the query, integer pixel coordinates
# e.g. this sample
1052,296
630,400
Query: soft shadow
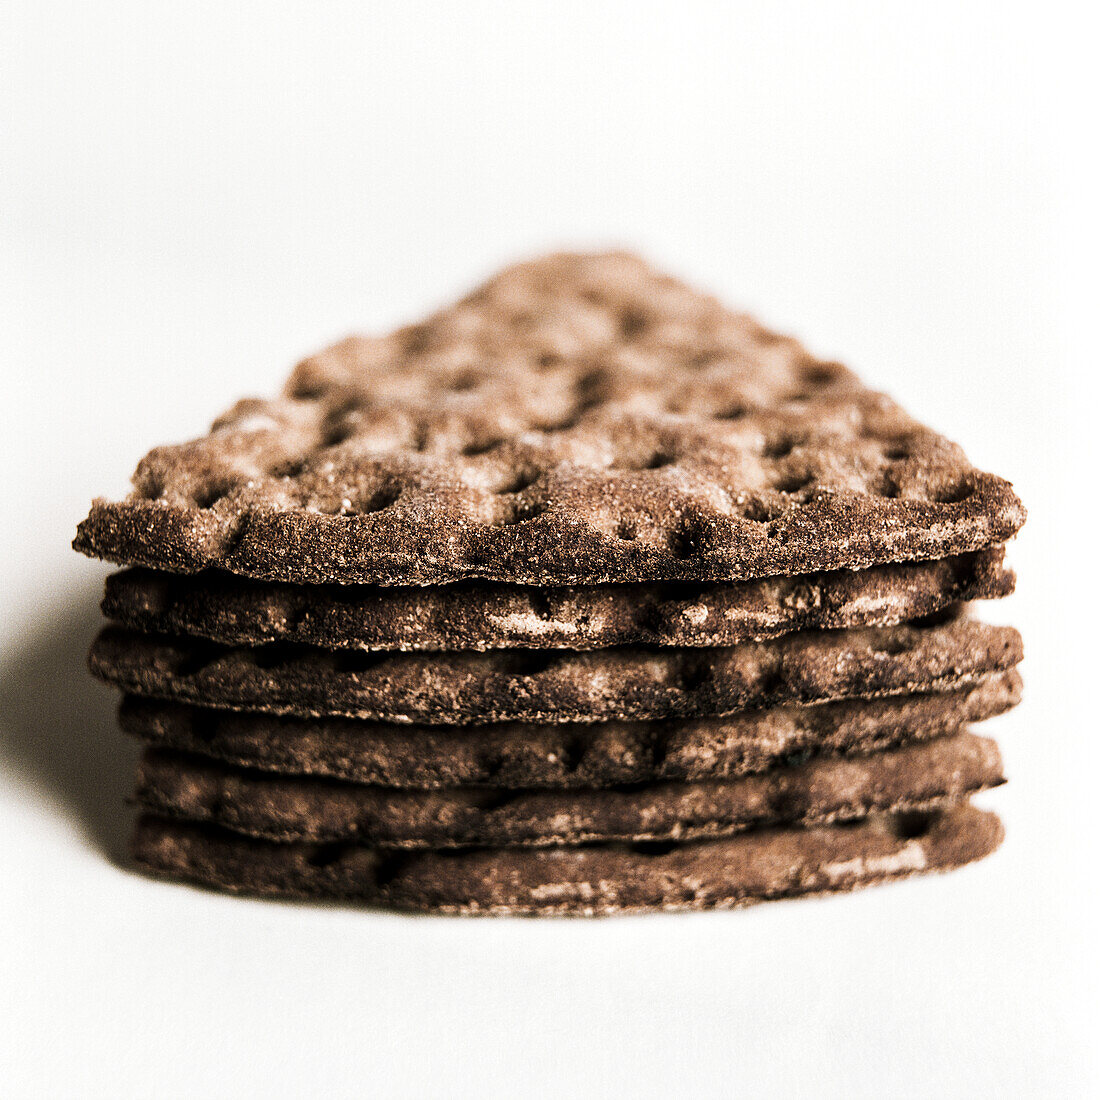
58,736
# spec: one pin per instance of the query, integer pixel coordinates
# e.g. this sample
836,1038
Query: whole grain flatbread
579,419
558,685
563,755
821,791
480,615
594,879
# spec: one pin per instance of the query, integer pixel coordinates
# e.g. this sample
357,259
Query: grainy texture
481,615
578,419
817,792
563,755
596,879
558,685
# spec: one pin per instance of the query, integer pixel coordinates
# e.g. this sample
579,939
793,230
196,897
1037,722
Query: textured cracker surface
578,419
481,615
595,879
558,685
817,792
562,755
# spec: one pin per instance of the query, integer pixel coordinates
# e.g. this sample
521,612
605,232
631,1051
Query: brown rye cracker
579,419
821,791
563,755
558,685
599,879
478,615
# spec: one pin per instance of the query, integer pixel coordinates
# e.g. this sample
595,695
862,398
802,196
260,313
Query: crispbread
562,755
481,615
835,788
578,419
557,685
594,879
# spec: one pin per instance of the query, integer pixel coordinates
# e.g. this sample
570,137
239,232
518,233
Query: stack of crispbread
584,595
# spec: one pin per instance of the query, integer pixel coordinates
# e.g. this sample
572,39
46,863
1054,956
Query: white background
194,195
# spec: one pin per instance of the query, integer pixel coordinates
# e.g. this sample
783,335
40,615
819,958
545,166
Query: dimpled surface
578,419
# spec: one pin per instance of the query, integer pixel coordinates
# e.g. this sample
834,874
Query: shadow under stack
584,595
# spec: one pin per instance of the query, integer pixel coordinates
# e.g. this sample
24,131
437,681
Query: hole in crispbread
209,495
308,389
357,660
482,446
758,510
896,452
780,446
687,540
289,468
295,616
197,658
521,512
652,847
822,374
767,338
792,482
152,487
937,618
893,647
416,339
269,656
656,460
489,799
703,358
953,494
338,433
517,481
732,412
632,323
590,390
465,382
795,758
324,855
379,499
696,672
912,824
565,424
388,865
526,662
626,530
886,486
540,603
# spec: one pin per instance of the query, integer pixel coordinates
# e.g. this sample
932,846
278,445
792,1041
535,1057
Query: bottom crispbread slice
559,685
820,791
595,879
562,755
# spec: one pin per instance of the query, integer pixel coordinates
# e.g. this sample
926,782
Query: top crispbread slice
579,419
